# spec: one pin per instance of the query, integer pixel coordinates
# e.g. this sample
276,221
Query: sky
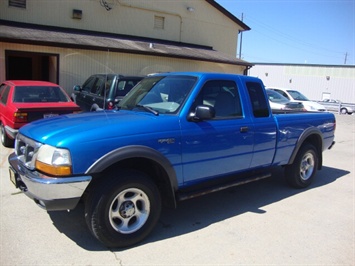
296,31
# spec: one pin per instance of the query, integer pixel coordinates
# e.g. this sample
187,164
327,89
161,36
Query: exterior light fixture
266,74
327,77
190,9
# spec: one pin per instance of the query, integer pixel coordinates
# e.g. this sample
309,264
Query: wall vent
17,3
159,22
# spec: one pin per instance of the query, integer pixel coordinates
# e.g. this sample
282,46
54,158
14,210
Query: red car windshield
39,94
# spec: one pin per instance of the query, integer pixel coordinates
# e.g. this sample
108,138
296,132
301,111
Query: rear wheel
301,173
123,209
5,140
343,111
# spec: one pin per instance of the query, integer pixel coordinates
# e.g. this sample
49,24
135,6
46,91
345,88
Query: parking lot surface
261,223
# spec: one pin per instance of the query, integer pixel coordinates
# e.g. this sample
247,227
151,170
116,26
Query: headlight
54,161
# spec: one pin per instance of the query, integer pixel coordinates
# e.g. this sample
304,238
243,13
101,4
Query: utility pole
346,56
241,42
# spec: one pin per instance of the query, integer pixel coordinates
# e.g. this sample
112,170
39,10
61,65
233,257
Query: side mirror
202,112
77,88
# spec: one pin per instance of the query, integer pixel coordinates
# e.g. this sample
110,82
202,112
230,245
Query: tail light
20,117
110,105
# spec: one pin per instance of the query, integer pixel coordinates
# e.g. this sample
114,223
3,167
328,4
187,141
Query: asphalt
261,223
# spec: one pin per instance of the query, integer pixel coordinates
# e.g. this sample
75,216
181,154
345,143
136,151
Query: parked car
279,102
336,106
24,101
296,96
103,91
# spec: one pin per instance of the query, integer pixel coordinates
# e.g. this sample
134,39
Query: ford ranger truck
173,137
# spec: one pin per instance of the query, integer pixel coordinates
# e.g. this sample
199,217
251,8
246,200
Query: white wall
311,80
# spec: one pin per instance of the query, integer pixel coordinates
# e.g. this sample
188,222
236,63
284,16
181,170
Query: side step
200,192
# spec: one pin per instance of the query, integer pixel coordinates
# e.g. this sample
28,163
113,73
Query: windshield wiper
147,108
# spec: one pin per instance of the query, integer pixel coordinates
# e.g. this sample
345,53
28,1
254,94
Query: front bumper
50,193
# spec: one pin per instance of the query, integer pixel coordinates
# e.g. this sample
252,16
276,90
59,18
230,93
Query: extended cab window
223,95
257,99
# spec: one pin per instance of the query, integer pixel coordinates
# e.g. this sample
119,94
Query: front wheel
301,173
123,209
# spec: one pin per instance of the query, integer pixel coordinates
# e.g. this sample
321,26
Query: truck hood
92,126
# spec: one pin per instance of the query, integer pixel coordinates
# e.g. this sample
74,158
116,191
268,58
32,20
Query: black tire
123,209
5,140
343,111
301,173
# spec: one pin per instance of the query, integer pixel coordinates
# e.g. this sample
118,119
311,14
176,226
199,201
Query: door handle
244,129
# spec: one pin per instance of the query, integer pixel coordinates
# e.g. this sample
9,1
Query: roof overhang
14,32
229,15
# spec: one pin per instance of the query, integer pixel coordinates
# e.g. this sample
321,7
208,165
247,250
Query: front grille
26,150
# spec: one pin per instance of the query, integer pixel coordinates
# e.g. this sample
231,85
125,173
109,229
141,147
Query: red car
24,101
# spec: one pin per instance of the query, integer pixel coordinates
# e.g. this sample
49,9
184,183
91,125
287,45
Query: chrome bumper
11,132
51,193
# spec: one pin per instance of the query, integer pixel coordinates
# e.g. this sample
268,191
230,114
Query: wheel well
154,170
316,141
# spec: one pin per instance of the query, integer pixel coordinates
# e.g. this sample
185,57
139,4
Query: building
317,82
66,41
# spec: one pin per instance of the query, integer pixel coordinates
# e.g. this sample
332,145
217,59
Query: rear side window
257,99
4,93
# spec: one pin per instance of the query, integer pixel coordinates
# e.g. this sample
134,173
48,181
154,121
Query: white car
336,106
296,96
279,102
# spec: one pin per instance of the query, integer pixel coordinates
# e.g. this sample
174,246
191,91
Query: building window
17,3
159,22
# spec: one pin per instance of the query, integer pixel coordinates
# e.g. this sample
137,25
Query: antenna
106,78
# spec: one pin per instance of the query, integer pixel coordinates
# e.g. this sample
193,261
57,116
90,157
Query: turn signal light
55,170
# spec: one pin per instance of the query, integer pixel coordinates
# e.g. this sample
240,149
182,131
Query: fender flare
137,151
311,131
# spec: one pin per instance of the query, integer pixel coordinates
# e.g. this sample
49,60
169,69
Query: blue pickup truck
173,137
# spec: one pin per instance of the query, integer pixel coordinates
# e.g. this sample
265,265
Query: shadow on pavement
192,215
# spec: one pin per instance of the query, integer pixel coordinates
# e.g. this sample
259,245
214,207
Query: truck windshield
162,94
